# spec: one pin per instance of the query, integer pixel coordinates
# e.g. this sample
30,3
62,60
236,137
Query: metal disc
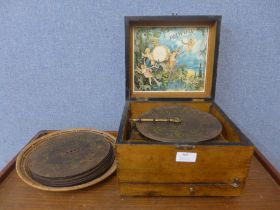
195,125
80,179
89,176
68,155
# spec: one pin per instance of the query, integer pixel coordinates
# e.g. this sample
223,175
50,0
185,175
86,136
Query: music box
173,139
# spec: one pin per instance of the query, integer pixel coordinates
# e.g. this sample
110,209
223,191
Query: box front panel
214,167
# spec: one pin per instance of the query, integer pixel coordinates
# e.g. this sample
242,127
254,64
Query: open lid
171,56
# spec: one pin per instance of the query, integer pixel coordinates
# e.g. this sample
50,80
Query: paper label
188,157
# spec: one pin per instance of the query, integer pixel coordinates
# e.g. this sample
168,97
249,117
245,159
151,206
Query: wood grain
229,132
268,166
141,163
11,165
156,164
214,171
260,193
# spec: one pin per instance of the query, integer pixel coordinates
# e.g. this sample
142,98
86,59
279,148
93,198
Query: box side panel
230,130
122,133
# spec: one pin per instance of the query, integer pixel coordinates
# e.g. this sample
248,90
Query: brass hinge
185,146
141,99
198,99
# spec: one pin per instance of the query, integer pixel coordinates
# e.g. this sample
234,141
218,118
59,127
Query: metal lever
173,120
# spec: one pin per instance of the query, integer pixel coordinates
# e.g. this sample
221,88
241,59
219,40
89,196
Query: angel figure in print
147,72
148,57
173,59
189,44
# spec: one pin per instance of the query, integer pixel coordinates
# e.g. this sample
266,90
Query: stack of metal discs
68,159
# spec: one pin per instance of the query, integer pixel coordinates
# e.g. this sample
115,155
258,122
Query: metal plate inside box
193,126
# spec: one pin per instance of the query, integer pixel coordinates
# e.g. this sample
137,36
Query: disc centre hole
72,151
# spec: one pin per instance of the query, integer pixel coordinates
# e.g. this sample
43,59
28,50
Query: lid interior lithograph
171,57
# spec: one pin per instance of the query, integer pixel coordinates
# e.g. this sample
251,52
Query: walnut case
149,168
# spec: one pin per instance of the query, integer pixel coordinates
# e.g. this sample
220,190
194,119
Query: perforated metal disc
67,160
195,125
68,155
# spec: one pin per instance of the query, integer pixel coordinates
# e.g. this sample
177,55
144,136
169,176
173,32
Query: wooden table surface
261,192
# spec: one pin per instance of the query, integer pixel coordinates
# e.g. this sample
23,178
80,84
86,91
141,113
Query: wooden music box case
173,139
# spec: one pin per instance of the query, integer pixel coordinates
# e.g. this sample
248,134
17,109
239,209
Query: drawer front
206,189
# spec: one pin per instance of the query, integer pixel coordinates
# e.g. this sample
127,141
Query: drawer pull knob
192,190
235,183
